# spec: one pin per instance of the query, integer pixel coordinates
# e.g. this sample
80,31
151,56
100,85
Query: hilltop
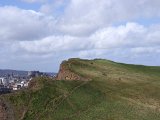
91,89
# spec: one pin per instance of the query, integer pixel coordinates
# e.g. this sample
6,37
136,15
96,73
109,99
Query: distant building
34,74
26,84
21,85
4,81
17,86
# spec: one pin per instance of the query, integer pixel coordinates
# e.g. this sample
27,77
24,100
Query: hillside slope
91,89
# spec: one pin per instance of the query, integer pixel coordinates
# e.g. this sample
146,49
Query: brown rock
66,74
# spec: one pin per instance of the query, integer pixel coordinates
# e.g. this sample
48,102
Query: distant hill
91,90
17,72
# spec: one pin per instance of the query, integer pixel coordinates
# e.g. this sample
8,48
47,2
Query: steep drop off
66,73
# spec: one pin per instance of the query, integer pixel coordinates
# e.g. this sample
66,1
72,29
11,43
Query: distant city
12,80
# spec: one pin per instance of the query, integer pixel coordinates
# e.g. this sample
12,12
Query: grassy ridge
116,92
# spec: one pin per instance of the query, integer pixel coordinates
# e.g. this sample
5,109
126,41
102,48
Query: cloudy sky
39,34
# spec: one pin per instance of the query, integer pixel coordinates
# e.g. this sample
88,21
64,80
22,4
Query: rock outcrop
65,72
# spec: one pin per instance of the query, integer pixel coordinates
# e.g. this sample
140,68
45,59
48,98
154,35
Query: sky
40,34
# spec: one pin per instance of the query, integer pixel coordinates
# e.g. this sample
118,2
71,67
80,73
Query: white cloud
146,50
54,44
54,7
84,17
18,24
130,36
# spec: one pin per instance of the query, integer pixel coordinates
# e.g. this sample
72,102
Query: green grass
116,91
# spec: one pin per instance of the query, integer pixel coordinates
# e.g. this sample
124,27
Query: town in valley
14,81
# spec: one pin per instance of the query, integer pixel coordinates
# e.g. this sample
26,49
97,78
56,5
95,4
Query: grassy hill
111,91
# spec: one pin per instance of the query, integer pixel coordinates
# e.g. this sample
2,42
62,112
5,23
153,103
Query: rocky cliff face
66,74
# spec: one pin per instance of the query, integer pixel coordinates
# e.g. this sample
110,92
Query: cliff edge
67,73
